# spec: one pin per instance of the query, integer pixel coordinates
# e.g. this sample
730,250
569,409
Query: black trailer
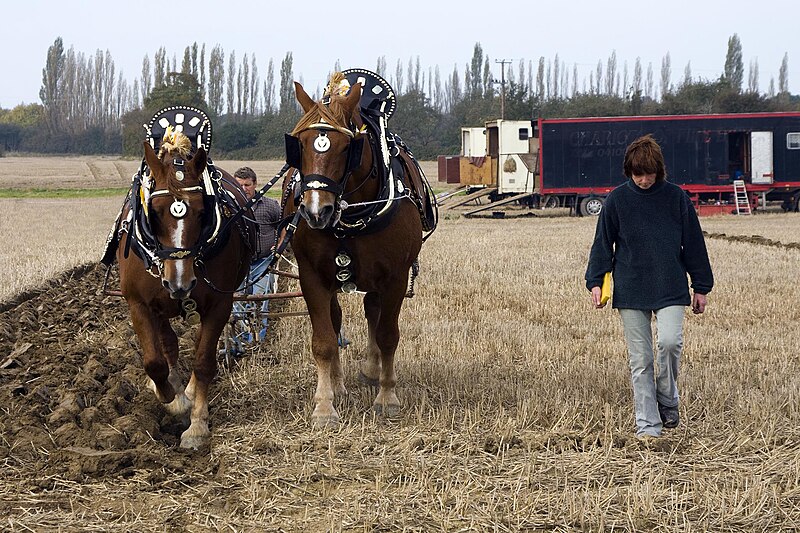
580,160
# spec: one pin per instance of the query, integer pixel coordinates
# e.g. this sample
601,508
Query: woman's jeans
648,389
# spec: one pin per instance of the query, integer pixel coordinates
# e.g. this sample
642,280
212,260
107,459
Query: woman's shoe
670,417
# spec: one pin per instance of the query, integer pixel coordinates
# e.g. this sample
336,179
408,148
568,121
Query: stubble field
517,411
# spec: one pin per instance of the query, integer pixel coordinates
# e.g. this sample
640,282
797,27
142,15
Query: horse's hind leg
337,376
370,371
387,337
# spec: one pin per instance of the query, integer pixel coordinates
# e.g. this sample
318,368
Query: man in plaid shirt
267,213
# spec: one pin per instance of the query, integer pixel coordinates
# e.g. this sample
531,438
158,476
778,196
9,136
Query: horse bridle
178,210
319,182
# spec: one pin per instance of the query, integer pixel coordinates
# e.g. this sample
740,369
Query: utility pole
503,63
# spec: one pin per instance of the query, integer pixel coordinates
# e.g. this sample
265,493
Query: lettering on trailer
603,138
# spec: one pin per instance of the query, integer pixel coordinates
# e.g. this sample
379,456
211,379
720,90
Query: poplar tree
216,79
783,74
666,75
146,80
253,86
231,81
269,89
287,96
50,93
734,65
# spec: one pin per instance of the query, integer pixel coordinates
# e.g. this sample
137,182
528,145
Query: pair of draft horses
333,163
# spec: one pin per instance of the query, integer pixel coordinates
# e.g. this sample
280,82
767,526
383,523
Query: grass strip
63,193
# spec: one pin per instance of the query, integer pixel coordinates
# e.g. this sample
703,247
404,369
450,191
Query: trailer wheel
591,206
551,202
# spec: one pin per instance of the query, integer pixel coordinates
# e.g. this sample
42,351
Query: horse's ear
151,158
302,97
199,161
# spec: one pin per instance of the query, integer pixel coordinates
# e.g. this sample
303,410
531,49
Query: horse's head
326,147
173,202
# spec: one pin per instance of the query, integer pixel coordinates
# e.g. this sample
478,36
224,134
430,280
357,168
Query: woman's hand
698,303
596,298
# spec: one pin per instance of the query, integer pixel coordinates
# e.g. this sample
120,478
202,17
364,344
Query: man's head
644,162
247,180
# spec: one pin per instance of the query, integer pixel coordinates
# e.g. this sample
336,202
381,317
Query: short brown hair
246,173
643,156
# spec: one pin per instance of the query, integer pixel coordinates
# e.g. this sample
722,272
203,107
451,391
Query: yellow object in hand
605,290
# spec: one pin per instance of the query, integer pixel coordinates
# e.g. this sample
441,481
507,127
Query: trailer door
761,157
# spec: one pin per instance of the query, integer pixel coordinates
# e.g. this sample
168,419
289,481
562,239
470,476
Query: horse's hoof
325,422
179,407
160,397
386,410
194,442
195,438
368,381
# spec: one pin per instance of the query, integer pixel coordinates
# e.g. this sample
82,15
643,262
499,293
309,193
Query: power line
503,63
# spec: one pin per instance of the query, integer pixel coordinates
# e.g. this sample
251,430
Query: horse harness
221,206
389,165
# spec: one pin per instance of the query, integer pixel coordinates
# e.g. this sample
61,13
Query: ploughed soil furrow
753,239
72,387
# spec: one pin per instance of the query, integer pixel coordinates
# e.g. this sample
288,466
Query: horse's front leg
180,405
370,370
325,349
203,371
148,330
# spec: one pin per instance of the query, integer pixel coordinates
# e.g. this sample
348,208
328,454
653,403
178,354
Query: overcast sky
440,33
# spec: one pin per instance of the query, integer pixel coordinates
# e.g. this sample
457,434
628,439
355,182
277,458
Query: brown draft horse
380,259
176,208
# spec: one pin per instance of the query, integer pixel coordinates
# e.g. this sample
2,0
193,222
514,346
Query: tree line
87,107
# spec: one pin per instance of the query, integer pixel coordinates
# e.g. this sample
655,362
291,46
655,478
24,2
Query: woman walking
649,237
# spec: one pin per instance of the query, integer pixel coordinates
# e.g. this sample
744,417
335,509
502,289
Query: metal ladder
742,199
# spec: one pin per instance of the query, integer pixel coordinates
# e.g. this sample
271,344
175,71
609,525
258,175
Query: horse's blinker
293,151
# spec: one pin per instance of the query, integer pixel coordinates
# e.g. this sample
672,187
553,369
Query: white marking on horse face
313,207
183,274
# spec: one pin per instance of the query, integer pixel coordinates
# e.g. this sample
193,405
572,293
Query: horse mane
334,113
174,144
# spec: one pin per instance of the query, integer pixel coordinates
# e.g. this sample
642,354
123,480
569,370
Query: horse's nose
317,219
325,214
176,292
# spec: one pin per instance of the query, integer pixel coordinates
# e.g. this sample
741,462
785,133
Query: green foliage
133,132
15,122
419,125
431,110
181,88
24,116
233,136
